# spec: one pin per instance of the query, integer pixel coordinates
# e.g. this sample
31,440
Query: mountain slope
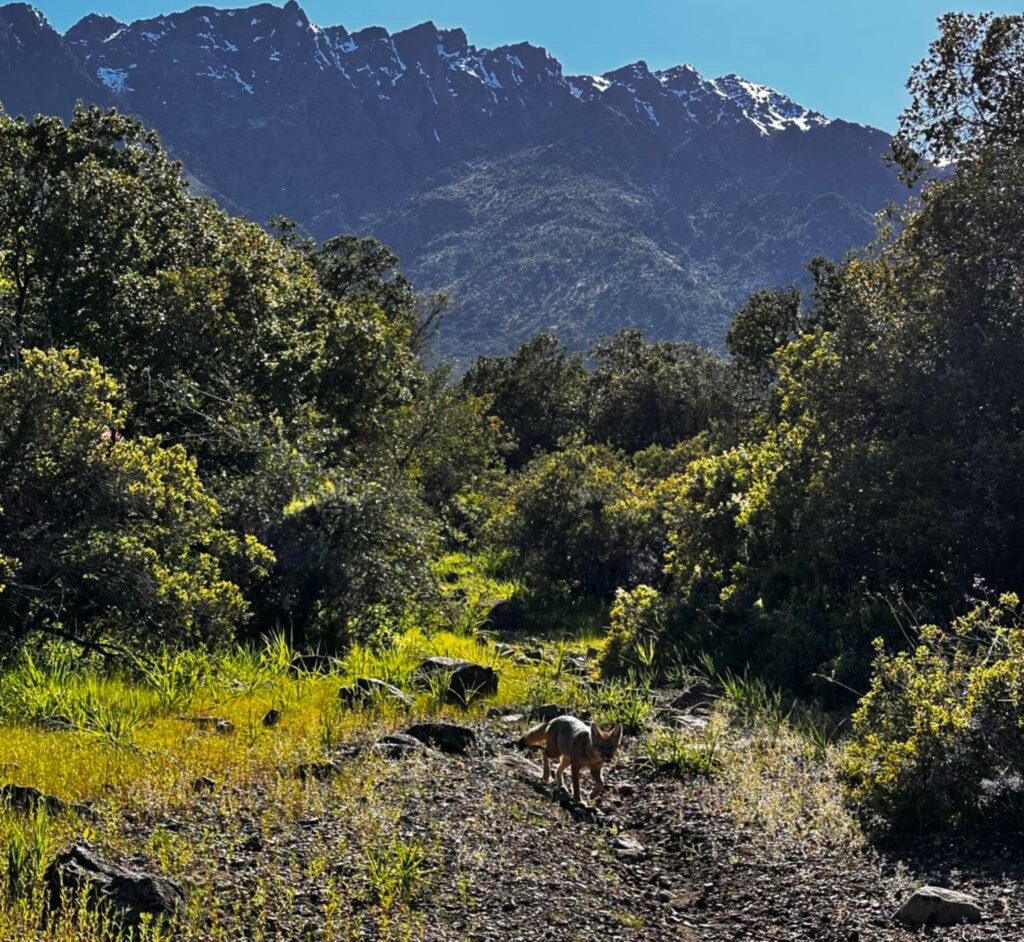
539,200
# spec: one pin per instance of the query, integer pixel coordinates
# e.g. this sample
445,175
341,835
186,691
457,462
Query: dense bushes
939,738
255,374
102,536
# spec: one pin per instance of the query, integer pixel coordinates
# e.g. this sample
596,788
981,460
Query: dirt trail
515,864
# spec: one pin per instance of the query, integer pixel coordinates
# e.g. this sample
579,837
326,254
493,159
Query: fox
577,745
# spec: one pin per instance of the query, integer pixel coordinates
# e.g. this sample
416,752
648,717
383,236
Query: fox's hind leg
547,769
595,771
560,771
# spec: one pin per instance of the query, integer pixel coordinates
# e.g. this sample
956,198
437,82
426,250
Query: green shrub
939,737
637,622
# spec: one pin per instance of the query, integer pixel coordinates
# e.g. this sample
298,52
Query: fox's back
563,732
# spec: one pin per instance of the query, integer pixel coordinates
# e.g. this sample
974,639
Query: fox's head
606,743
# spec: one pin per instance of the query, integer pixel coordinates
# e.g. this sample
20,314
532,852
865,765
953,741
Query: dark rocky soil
513,862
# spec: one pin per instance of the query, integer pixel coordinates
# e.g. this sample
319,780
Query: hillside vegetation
233,489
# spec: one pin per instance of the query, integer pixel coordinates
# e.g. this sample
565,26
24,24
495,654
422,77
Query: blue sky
846,59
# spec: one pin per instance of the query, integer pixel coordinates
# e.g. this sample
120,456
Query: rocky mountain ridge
539,200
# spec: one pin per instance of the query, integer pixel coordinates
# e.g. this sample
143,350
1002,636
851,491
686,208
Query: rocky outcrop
936,906
448,737
79,873
465,680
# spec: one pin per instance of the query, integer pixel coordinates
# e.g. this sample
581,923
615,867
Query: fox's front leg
575,782
547,769
595,771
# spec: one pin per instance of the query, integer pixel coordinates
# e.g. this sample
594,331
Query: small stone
628,848
370,688
399,745
271,718
317,771
546,712
937,906
204,784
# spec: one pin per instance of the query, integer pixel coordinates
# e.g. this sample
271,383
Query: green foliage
636,625
967,95
578,520
537,393
940,730
28,850
642,393
681,753
885,467
286,370
398,870
763,325
107,537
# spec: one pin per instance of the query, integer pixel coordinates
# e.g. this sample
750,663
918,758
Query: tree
278,366
537,394
967,96
107,538
761,327
643,393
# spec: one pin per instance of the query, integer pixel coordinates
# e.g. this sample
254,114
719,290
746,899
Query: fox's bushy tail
536,736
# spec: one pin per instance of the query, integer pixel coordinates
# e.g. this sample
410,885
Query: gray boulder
367,688
468,681
448,737
79,872
937,906
507,617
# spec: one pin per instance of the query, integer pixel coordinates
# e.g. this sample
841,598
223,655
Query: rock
696,695
519,764
55,723
204,784
507,617
25,798
628,848
576,665
511,719
536,655
693,724
936,906
468,681
504,650
271,718
366,688
399,745
593,653
215,723
128,894
448,737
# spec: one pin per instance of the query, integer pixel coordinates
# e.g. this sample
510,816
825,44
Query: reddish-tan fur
576,745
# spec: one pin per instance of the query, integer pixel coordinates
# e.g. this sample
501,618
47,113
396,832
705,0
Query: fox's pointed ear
595,732
616,734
